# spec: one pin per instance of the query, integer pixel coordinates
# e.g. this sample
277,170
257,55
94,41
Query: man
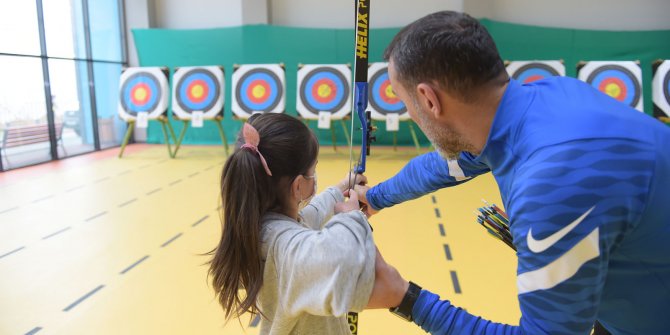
584,179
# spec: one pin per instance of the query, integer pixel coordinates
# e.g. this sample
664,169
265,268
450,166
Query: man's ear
428,99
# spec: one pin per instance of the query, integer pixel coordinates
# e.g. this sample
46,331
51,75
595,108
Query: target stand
198,96
660,88
324,95
143,98
621,80
385,104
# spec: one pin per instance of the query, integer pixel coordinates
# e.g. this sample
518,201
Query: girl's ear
295,187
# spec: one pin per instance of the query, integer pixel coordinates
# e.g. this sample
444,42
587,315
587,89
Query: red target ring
197,91
386,93
324,90
140,94
614,87
258,91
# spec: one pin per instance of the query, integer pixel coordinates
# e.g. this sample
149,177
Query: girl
302,261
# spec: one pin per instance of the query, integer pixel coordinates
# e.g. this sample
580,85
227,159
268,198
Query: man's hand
352,180
389,288
361,191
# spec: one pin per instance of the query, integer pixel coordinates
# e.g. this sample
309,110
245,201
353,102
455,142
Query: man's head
444,54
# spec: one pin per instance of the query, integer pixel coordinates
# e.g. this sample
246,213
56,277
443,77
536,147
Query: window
59,81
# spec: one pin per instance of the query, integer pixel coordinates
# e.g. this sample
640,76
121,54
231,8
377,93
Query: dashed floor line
171,240
56,233
13,251
131,266
84,297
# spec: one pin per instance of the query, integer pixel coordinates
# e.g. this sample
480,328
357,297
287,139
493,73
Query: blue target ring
624,80
197,77
379,98
534,71
148,83
329,79
259,80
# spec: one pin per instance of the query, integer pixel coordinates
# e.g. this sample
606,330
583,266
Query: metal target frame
516,69
660,89
213,103
307,76
242,73
157,81
376,70
590,72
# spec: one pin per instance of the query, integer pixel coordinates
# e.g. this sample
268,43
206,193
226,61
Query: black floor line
56,233
170,240
134,265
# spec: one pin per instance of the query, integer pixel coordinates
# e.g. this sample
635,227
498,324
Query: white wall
194,14
580,14
137,16
340,13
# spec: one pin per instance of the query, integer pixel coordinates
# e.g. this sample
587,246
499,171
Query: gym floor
100,245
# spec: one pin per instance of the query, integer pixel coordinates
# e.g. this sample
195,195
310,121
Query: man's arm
422,175
569,211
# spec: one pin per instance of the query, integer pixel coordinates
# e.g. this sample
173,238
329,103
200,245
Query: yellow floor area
114,246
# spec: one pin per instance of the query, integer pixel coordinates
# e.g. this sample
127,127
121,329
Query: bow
360,105
361,85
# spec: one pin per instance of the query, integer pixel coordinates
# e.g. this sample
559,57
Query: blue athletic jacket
585,180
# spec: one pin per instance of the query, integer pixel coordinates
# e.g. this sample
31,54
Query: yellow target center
613,90
324,90
197,91
258,91
140,94
389,92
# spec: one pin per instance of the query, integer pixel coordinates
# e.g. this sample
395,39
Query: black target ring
320,71
371,100
238,89
628,75
155,89
212,80
534,66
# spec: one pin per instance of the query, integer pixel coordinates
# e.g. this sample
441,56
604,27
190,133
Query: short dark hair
449,48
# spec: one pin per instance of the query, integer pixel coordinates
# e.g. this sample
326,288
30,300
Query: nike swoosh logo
538,246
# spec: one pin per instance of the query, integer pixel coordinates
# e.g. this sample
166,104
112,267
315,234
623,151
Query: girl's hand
349,205
352,180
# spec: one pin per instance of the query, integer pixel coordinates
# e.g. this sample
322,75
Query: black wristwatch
404,310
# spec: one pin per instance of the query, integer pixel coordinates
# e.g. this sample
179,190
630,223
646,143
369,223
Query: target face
381,97
324,88
620,80
258,88
198,89
142,89
660,88
530,71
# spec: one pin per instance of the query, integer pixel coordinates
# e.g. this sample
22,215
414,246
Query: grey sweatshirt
315,270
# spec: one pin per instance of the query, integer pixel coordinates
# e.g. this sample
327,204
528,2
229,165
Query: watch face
396,311
404,310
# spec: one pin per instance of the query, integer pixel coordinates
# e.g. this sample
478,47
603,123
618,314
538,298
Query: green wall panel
292,46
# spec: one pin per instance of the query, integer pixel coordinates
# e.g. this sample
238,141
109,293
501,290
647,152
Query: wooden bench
24,135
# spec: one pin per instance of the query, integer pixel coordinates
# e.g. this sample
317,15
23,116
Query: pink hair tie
251,141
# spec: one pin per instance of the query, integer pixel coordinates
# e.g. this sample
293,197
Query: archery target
198,89
530,71
143,89
381,98
660,87
258,88
620,80
324,88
